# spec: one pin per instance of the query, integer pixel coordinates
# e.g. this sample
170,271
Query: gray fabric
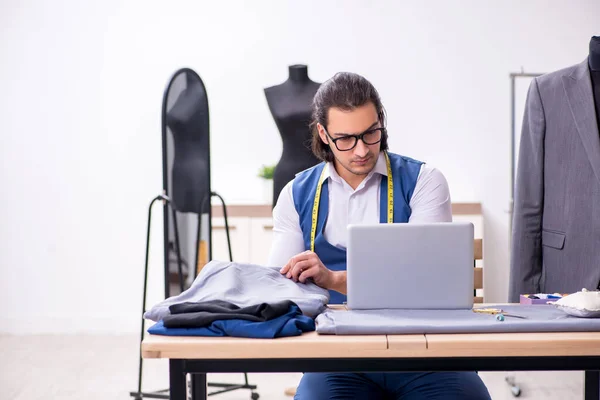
245,285
541,318
556,221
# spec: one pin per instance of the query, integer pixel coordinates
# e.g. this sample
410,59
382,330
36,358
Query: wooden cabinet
239,233
251,239
261,238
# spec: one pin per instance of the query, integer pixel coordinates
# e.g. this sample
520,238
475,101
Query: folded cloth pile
221,318
271,304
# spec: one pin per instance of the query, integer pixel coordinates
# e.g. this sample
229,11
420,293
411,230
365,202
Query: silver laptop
410,265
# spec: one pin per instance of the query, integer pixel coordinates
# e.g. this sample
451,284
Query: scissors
495,311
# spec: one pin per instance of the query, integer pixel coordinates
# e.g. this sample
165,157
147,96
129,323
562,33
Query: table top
313,345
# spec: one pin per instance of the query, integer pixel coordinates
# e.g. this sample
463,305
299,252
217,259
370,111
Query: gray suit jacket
556,221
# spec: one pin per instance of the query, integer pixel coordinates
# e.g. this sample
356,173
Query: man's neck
351,179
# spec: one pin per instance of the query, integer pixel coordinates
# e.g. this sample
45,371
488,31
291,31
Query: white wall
80,109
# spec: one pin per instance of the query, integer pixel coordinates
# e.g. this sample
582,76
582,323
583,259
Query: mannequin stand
194,381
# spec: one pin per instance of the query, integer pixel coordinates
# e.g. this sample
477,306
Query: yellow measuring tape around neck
315,211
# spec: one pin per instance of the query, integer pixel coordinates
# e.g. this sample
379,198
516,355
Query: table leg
177,384
592,385
199,391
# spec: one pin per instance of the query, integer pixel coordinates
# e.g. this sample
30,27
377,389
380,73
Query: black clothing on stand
188,122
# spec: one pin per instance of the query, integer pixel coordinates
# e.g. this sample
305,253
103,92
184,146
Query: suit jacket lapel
578,87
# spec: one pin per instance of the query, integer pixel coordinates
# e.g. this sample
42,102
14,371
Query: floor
105,367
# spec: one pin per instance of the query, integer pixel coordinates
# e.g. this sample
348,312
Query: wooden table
320,353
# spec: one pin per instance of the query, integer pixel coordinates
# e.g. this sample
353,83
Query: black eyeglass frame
360,136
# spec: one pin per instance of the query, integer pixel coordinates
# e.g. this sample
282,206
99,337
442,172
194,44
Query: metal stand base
227,387
198,386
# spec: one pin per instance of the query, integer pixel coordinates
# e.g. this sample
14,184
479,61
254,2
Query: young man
352,186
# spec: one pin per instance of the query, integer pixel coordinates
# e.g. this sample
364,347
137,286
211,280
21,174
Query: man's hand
308,265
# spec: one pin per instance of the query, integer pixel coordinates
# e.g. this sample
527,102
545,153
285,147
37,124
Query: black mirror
186,172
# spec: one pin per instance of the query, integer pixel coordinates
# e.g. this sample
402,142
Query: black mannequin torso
290,104
594,64
188,122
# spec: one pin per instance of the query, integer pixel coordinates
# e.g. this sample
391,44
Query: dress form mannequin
594,64
290,104
188,122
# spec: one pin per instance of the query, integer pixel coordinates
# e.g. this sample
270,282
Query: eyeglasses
348,142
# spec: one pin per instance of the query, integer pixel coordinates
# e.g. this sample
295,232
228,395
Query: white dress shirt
430,202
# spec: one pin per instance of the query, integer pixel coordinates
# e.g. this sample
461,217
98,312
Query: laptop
410,266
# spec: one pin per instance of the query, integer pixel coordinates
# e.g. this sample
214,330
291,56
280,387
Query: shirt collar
380,168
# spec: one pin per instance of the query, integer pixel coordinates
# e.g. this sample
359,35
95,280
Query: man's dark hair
346,91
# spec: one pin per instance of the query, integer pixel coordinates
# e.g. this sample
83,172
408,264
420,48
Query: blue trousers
384,386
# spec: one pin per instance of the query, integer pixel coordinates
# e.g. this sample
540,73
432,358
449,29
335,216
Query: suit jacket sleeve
526,252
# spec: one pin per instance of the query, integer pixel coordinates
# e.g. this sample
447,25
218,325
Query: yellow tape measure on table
497,311
315,211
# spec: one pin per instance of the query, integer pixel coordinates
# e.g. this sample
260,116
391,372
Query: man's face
361,159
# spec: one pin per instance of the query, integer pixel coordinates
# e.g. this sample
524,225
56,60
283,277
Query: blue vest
405,172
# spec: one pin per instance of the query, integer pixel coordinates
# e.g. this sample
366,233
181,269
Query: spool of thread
499,317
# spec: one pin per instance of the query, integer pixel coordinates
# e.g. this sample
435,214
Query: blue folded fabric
293,323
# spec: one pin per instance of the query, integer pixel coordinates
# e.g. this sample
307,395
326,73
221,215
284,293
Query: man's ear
322,134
